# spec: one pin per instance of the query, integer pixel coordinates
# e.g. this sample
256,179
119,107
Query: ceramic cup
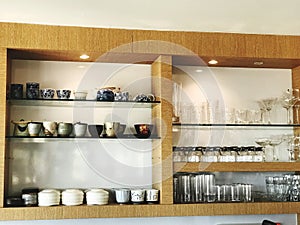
50,128
138,196
64,129
152,195
63,94
111,128
16,91
80,129
80,95
32,90
21,128
105,95
122,195
122,96
34,128
47,93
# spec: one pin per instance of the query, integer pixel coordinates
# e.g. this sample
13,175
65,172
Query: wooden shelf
125,211
237,167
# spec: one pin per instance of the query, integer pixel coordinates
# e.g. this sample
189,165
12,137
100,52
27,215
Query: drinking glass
262,109
288,99
268,105
275,141
263,142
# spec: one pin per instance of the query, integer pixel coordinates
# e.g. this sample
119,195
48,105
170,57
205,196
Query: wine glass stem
269,116
289,116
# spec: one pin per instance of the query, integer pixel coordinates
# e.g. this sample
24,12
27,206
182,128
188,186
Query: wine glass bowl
268,105
288,99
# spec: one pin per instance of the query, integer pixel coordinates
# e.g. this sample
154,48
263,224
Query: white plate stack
49,197
97,197
72,197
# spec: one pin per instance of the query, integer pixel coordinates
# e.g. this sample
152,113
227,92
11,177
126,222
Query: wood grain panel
3,73
238,167
45,37
217,44
162,115
125,211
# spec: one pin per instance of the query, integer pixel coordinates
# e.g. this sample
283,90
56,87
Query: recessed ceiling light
213,62
84,56
258,63
199,71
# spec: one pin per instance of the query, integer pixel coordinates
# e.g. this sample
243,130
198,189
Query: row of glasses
273,141
283,188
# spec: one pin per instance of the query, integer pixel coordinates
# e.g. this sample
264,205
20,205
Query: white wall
247,16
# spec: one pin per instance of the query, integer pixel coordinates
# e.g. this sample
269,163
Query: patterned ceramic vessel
32,90
47,93
63,94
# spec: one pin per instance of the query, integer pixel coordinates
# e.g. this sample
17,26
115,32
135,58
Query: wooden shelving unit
237,167
163,50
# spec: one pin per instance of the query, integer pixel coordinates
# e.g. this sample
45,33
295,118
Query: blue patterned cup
63,93
47,93
32,90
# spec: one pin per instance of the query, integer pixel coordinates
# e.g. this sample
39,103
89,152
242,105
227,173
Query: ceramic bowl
34,128
50,128
21,127
105,95
111,128
80,129
95,129
63,93
143,130
80,95
122,96
64,129
47,93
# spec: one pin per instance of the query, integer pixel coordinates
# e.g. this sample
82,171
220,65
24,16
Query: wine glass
289,98
289,139
263,142
268,105
262,109
274,141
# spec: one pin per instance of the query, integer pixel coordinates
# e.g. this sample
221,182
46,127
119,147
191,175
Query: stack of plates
72,197
97,197
49,197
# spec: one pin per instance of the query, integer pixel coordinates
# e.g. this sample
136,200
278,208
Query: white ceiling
241,16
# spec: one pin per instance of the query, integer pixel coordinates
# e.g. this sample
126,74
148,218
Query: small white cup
152,195
122,195
80,129
138,196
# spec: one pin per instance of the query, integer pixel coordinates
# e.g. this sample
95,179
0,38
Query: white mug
137,196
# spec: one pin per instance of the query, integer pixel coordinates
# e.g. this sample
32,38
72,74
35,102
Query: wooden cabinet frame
161,49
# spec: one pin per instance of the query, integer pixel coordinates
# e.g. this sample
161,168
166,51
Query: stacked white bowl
72,197
49,197
97,197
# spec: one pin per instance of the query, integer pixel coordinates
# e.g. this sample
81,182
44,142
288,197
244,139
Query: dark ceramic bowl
143,130
105,95
95,129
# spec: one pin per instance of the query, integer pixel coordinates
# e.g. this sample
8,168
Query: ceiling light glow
213,62
84,56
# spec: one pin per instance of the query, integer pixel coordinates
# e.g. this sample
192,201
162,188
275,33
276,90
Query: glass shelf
78,139
81,103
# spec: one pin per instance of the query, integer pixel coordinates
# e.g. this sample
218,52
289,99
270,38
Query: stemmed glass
288,99
262,109
289,139
263,142
268,105
274,141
